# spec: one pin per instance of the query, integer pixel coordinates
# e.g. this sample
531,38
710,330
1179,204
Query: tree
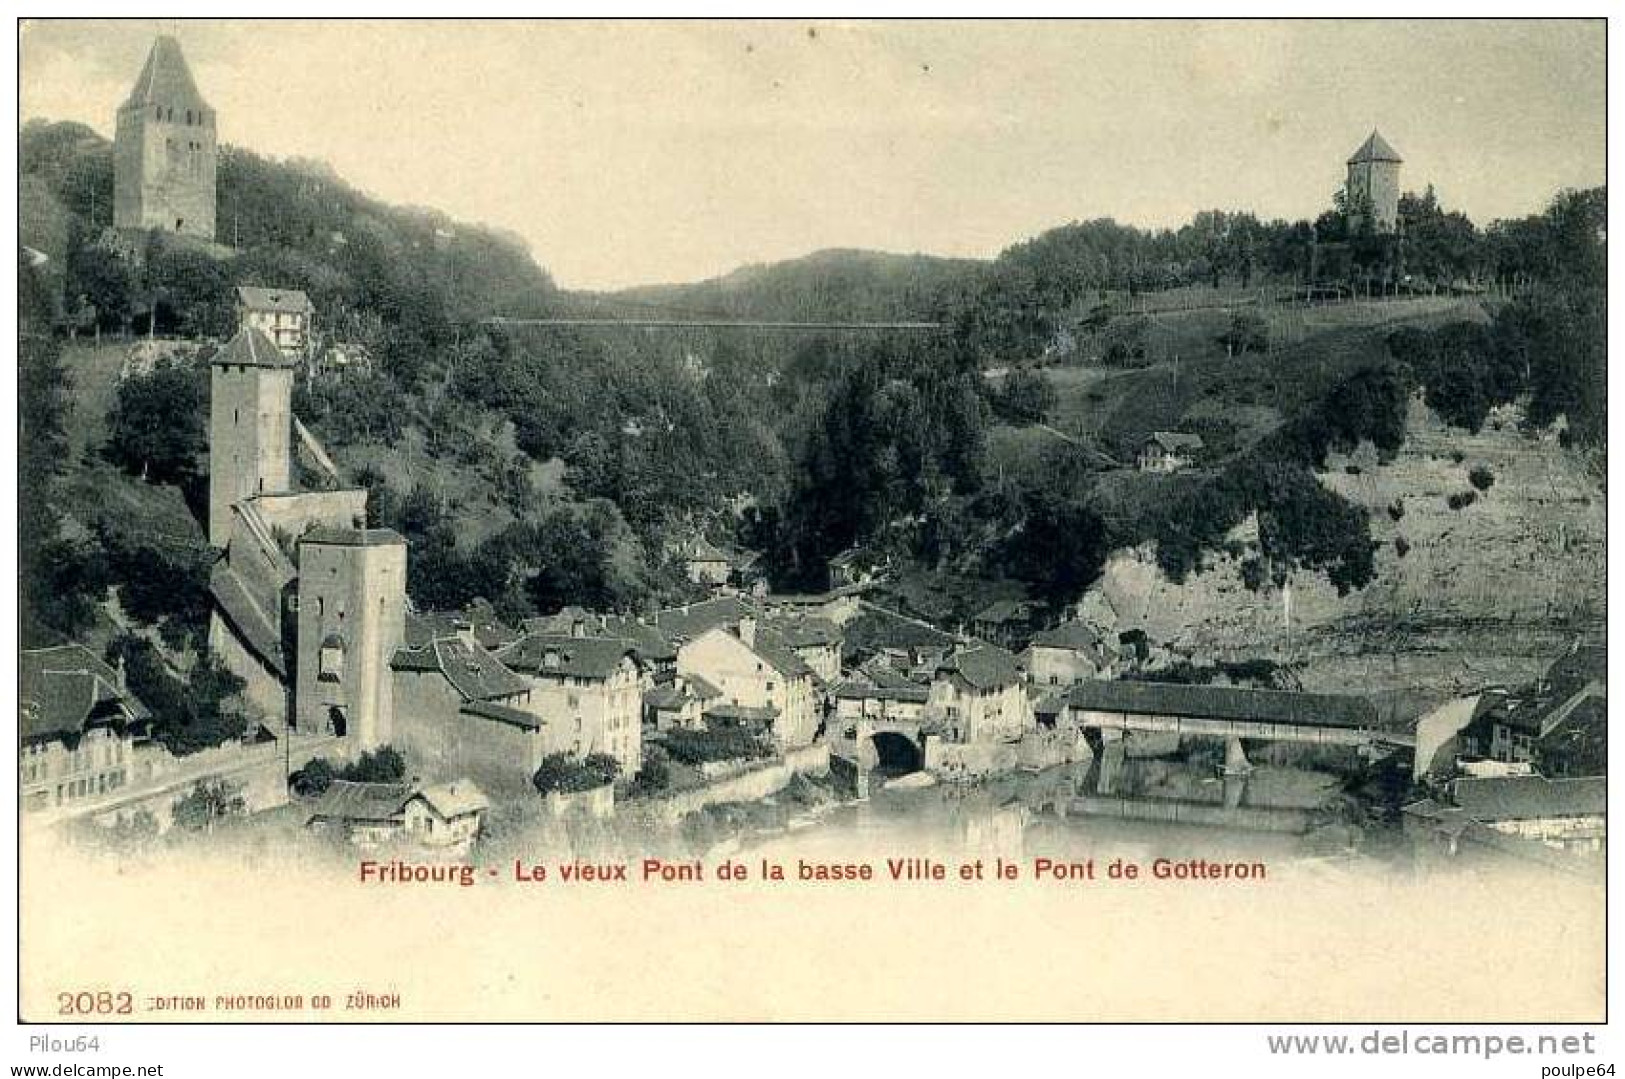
1248,332
155,428
106,281
1025,397
202,711
314,778
208,804
382,765
565,774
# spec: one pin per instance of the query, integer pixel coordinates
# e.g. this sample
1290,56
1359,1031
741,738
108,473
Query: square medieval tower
164,150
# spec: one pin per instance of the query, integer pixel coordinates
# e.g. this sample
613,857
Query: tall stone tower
164,150
352,620
250,425
1373,186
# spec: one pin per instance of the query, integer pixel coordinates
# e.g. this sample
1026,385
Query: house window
330,661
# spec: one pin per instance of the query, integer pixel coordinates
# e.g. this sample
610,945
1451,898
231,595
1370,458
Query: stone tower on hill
1373,186
250,424
164,151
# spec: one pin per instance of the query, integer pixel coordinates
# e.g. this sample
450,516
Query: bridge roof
1225,703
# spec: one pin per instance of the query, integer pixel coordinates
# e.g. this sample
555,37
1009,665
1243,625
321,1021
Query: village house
756,669
1565,813
1519,814
282,314
1169,451
857,699
856,567
1008,623
680,702
587,691
978,696
1070,653
1559,723
459,711
817,641
82,731
445,816
706,563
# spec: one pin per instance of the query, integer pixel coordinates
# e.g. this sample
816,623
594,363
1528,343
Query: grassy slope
1191,379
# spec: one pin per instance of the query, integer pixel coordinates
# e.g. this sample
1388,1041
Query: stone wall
748,786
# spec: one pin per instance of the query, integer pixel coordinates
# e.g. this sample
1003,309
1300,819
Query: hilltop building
164,150
1372,189
1169,451
282,314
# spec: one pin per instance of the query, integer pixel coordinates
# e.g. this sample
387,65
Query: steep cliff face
1484,593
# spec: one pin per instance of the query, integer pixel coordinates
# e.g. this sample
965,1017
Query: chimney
747,630
123,684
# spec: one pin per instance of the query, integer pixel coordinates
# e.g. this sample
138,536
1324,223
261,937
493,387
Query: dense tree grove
191,713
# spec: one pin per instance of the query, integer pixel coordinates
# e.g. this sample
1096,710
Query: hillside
826,285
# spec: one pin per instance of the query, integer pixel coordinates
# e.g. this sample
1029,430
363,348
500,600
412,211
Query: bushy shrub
724,742
1481,477
1462,499
1248,332
1402,546
567,774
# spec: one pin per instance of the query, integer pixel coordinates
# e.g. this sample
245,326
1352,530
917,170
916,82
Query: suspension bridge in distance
720,324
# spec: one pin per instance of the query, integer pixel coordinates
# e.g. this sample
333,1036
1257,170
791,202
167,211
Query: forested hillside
539,466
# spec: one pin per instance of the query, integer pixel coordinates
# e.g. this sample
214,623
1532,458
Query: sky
643,152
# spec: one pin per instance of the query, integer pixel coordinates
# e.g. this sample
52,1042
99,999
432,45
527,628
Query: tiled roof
806,631
1500,798
503,713
741,713
165,79
63,690
1005,610
252,625
595,658
984,666
678,624
651,645
779,654
1579,667
884,675
1174,441
1375,148
286,300
1074,635
472,671
862,691
350,801
249,347
563,621
455,799
1225,703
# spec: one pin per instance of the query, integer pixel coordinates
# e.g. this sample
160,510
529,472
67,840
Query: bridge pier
1111,761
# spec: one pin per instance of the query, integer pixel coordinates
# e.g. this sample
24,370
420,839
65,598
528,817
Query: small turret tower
1372,190
164,150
